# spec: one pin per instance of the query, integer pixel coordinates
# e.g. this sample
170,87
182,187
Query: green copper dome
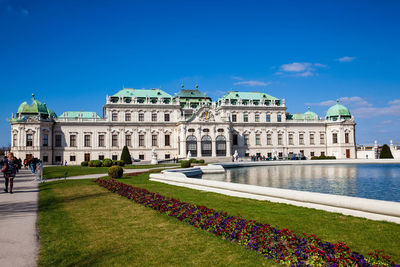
338,111
36,107
309,115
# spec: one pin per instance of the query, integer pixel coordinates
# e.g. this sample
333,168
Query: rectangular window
280,139
246,139
45,140
72,140
127,116
166,117
101,140
154,140
279,118
72,158
322,138
322,153
58,159
114,116
167,156
14,139
141,140
258,139
269,155
346,138
29,140
114,140
245,117
58,140
234,118
269,139
167,140
334,138
101,157
141,116
87,140
257,117
45,158
128,140
312,154
114,157
312,139
234,140
141,157
154,117
268,118
291,139
301,139
280,155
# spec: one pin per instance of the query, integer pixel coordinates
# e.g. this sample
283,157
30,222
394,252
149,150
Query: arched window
191,145
220,143
206,146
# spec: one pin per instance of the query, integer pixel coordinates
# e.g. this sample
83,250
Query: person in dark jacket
10,170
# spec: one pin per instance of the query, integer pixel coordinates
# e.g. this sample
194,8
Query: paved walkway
19,242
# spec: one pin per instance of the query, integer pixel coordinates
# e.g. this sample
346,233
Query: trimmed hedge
185,164
115,172
118,163
84,163
322,157
107,163
95,163
126,156
385,152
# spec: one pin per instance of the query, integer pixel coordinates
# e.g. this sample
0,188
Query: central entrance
191,145
206,146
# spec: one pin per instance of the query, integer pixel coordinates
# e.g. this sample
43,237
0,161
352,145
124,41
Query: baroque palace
251,123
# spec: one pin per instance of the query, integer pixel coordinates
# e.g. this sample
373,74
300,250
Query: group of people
32,163
259,158
9,166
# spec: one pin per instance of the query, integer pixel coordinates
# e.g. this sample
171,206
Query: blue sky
71,54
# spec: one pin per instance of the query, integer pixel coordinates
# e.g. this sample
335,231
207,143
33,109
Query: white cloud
345,59
394,102
300,69
252,83
25,12
354,101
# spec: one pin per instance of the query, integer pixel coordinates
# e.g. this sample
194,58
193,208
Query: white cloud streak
346,59
252,83
300,69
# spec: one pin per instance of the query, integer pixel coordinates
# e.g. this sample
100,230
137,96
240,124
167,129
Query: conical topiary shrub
126,156
385,152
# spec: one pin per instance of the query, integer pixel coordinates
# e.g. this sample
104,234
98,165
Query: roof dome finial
33,96
337,100
308,108
197,86
182,85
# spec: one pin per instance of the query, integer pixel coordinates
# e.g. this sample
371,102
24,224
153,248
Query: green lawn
59,171
81,223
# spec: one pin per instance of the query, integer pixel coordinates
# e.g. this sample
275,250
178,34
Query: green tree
126,156
385,152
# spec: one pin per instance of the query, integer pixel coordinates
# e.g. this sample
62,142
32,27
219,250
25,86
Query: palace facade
251,123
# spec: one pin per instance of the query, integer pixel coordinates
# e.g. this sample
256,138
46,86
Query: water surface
374,181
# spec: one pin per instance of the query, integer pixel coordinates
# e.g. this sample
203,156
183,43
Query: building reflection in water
368,181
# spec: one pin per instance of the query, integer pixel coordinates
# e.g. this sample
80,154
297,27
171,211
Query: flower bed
283,246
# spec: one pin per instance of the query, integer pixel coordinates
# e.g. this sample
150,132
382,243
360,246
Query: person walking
9,168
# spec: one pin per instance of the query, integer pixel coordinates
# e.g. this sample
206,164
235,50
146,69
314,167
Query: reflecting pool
374,181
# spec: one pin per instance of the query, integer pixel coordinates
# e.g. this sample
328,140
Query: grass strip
83,224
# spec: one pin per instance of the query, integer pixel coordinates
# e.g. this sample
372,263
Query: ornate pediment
206,115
